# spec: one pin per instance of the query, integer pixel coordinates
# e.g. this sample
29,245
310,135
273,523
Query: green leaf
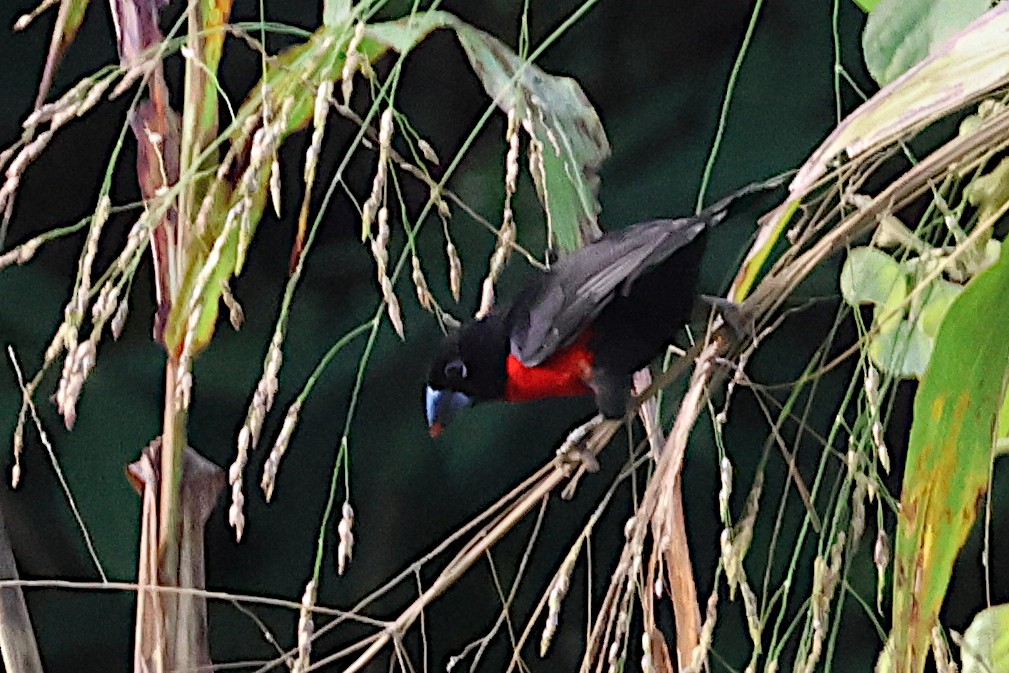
903,335
318,59
1002,433
938,298
901,33
896,346
900,349
869,276
964,69
985,645
403,35
758,254
199,129
956,410
555,111
200,112
866,5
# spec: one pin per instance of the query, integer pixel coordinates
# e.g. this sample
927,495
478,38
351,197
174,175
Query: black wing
555,308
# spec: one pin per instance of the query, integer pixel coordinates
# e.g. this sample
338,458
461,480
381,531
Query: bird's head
468,368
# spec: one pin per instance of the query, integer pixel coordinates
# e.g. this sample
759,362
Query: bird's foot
574,452
574,458
571,457
733,315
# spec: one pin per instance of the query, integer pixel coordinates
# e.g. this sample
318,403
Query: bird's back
647,313
636,285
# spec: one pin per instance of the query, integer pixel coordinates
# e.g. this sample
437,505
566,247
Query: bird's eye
456,369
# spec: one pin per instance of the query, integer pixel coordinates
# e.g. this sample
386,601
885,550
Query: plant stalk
173,443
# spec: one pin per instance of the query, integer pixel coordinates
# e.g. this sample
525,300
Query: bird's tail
717,211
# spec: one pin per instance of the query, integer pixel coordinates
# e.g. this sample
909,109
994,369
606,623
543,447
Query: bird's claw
574,452
571,456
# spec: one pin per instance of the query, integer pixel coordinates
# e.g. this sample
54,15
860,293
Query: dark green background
656,73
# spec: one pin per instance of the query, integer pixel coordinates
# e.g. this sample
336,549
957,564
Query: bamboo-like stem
173,443
174,434
189,146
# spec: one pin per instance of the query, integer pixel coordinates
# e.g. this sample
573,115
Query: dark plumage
586,325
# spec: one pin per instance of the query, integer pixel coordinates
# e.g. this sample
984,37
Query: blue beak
441,406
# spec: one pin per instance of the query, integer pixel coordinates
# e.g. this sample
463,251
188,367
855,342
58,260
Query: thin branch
56,466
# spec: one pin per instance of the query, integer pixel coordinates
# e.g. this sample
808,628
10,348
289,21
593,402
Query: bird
585,325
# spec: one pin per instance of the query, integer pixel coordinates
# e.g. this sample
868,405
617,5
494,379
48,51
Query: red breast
566,373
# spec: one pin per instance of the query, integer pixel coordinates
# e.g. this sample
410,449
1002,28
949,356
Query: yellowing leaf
758,254
938,298
950,450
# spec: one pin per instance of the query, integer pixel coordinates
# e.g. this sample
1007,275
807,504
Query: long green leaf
969,65
207,19
553,109
320,58
949,456
556,112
